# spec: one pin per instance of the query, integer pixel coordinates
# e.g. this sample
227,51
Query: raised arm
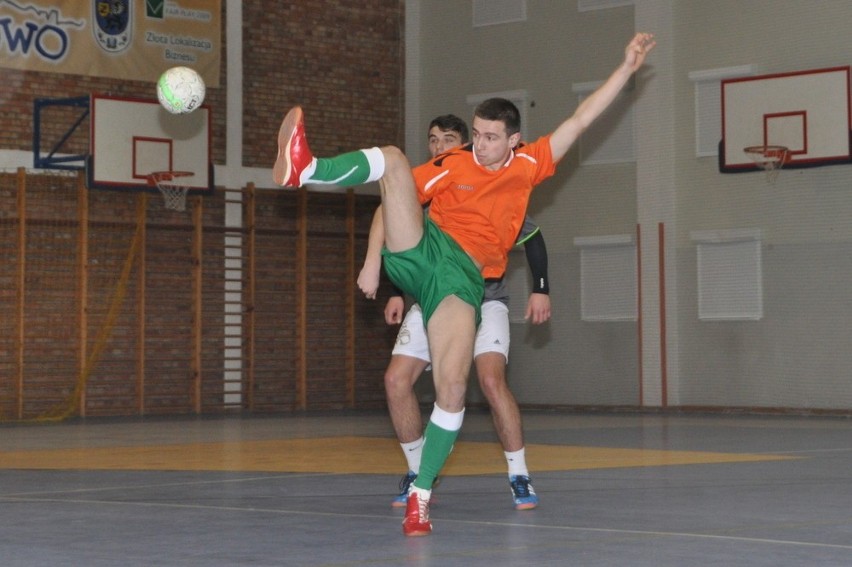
567,133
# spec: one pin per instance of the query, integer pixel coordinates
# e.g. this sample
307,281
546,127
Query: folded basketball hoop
173,190
768,158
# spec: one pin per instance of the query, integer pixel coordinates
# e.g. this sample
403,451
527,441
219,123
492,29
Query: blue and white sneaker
401,499
522,492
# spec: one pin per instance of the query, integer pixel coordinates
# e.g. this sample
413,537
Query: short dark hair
500,109
451,123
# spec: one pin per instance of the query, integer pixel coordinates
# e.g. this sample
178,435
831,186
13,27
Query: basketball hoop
768,158
174,192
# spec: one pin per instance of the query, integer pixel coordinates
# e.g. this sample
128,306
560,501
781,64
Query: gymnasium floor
315,489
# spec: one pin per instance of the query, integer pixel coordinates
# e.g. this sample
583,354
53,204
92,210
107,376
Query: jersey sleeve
540,157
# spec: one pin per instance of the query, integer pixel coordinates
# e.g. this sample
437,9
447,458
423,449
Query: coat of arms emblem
112,27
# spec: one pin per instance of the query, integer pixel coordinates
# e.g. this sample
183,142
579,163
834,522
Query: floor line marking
395,518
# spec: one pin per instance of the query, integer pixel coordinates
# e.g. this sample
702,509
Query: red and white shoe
294,155
416,521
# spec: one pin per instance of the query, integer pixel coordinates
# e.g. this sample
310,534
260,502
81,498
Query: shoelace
423,510
521,486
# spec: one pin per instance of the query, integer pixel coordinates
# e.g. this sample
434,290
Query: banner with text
122,39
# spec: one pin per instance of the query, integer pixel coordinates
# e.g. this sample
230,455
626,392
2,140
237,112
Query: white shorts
492,336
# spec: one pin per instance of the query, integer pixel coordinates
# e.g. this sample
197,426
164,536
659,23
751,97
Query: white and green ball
180,90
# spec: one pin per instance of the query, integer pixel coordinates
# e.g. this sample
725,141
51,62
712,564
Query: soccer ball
180,90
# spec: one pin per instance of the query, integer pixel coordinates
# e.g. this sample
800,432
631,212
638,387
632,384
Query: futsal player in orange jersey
478,202
410,356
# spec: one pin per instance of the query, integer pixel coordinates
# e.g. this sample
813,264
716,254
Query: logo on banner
113,24
37,31
154,9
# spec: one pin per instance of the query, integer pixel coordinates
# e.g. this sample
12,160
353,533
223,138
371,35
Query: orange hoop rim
771,153
156,177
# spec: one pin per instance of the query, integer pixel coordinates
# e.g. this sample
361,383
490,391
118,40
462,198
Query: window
730,277
608,278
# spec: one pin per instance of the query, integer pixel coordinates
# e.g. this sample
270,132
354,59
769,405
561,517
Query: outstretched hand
638,48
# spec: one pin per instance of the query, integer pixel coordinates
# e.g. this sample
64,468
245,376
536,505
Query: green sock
353,168
437,447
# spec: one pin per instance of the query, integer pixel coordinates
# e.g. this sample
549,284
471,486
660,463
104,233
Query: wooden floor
315,489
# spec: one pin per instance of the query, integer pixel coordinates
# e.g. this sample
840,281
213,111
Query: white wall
795,355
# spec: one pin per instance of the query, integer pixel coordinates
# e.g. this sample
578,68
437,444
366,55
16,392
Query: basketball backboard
131,138
808,112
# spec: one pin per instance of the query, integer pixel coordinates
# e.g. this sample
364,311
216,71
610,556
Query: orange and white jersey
483,210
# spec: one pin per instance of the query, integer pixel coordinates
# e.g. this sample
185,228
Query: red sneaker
293,152
416,521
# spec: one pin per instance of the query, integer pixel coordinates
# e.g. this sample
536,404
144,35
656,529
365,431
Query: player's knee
393,153
393,381
399,380
395,160
491,384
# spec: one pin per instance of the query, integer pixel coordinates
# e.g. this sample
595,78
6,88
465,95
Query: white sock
517,462
451,421
412,451
422,493
376,159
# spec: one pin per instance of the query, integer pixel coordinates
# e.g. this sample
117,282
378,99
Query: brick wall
342,61
124,303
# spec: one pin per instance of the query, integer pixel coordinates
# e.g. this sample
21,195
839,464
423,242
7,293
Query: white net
174,192
769,158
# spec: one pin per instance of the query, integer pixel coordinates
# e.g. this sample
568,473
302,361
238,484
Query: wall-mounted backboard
806,111
131,138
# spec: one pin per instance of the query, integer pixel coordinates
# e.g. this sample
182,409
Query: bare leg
451,332
402,214
491,371
400,376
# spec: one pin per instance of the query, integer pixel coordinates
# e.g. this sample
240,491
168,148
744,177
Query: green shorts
435,268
